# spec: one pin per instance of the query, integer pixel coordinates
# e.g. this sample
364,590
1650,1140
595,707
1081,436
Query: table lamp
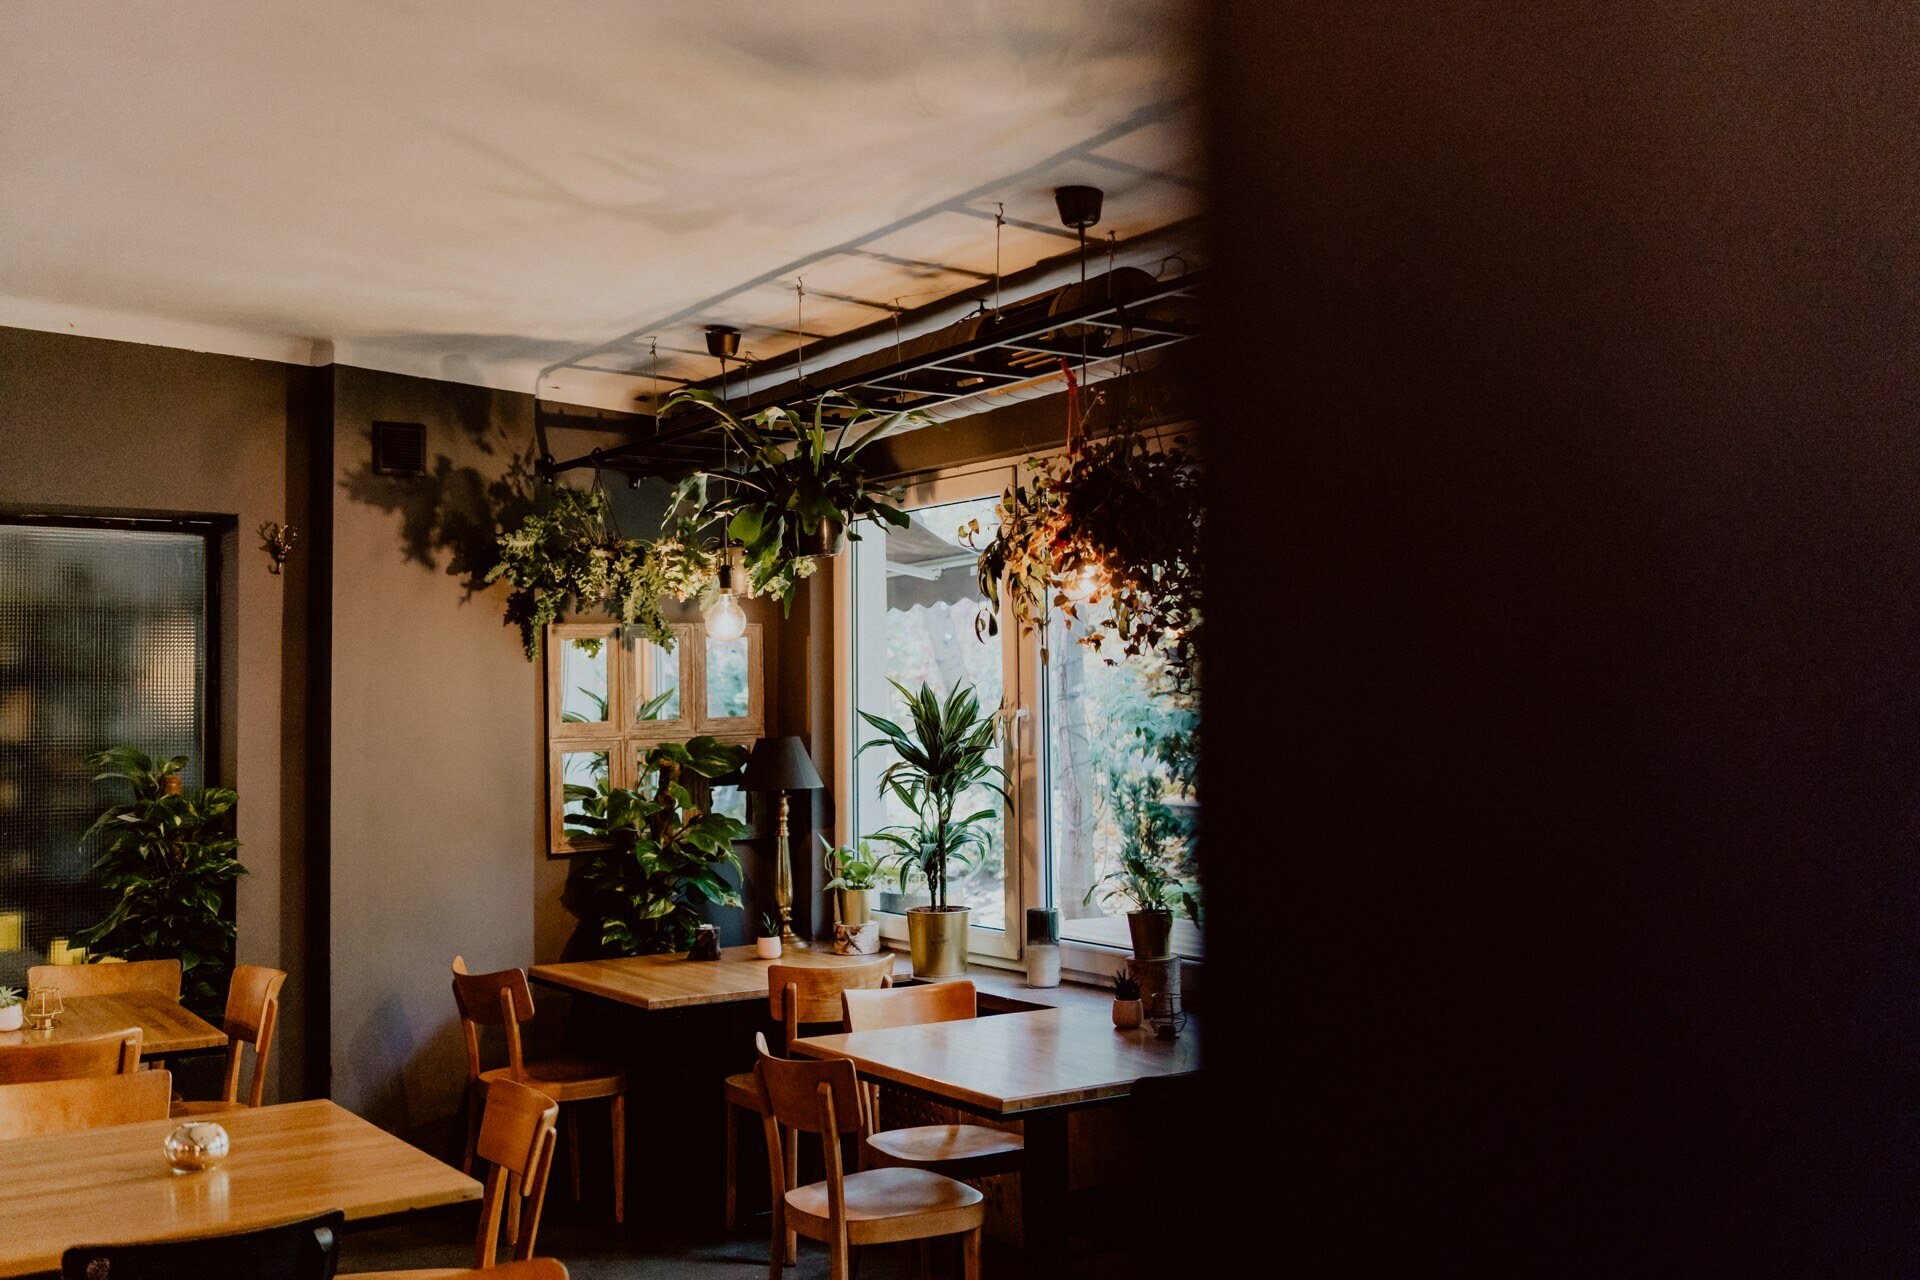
781,765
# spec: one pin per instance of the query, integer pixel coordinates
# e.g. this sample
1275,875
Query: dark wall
111,428
1561,764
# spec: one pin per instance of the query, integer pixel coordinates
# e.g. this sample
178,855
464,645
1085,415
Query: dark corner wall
1563,717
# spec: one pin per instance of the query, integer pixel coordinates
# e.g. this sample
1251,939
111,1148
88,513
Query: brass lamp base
783,882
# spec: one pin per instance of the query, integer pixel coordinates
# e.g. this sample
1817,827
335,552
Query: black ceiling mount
1079,206
723,341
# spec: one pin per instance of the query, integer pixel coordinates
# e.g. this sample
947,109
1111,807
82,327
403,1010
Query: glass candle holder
44,1008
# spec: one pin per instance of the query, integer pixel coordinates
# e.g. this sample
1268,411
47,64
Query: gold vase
937,941
856,906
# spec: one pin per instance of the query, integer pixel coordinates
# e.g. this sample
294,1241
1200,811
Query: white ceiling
480,191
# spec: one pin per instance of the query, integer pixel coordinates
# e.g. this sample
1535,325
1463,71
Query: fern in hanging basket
566,549
1114,522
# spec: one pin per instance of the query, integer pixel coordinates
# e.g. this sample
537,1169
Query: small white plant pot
12,1017
769,948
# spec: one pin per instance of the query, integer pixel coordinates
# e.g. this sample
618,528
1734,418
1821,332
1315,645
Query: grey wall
92,426
434,795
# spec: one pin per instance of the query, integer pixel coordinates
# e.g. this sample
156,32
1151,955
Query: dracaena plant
942,753
167,856
666,856
801,483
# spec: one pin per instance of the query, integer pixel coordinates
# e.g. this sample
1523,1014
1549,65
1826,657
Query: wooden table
166,1025
654,983
1034,1067
109,1186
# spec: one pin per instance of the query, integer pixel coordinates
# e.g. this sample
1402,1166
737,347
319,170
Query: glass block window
103,641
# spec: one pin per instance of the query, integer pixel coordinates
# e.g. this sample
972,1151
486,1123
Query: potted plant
799,493
767,943
854,874
645,893
168,860
1127,1009
942,757
13,1008
1149,830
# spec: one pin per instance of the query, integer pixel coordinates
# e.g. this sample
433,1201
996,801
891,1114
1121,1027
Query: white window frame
1019,739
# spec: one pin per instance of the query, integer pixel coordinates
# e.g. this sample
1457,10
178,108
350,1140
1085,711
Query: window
1098,754
915,606
612,694
103,641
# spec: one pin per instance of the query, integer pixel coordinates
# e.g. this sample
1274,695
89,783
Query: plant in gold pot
944,755
854,874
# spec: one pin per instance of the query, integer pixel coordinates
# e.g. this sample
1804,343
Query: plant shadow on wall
454,514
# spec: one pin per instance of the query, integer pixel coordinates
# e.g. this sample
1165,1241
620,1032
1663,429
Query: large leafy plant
168,856
665,863
566,548
1151,838
942,756
801,485
1114,522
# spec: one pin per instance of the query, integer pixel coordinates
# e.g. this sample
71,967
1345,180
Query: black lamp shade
779,764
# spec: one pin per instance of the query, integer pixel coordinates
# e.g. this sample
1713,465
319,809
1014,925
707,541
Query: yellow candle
10,930
57,951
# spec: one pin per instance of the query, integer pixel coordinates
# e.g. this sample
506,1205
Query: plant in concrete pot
1150,833
12,1008
168,859
667,859
1127,1005
767,942
854,874
945,755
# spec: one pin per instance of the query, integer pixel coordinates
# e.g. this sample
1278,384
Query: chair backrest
531,1269
516,1138
115,1053
108,979
253,1010
500,999
90,1102
304,1250
804,1096
801,994
910,1006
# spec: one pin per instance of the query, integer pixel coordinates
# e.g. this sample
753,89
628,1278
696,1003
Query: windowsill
1002,984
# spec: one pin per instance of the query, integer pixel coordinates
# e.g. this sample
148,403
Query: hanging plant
1114,522
799,492
566,549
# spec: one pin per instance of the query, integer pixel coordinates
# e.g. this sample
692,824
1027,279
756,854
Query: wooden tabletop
166,1026
1009,1064
111,1186
675,982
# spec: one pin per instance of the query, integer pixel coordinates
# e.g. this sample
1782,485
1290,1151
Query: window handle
1010,718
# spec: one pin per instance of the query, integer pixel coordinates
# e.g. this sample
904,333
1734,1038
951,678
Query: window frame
623,738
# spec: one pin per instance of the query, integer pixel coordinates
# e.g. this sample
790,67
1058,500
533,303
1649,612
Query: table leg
1043,1194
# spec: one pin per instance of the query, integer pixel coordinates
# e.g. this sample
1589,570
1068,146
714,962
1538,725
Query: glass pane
727,679
583,680
730,802
1119,776
103,642
920,627
656,683
586,782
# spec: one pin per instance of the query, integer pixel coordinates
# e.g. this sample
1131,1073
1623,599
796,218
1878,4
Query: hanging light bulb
1084,583
725,619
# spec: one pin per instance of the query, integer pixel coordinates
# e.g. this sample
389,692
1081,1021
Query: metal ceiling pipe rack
1120,315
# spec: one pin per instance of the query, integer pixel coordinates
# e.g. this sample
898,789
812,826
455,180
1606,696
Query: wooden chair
797,995
304,1250
517,1139
531,1269
504,1000
847,1210
957,1150
90,1102
108,979
115,1053
253,1010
